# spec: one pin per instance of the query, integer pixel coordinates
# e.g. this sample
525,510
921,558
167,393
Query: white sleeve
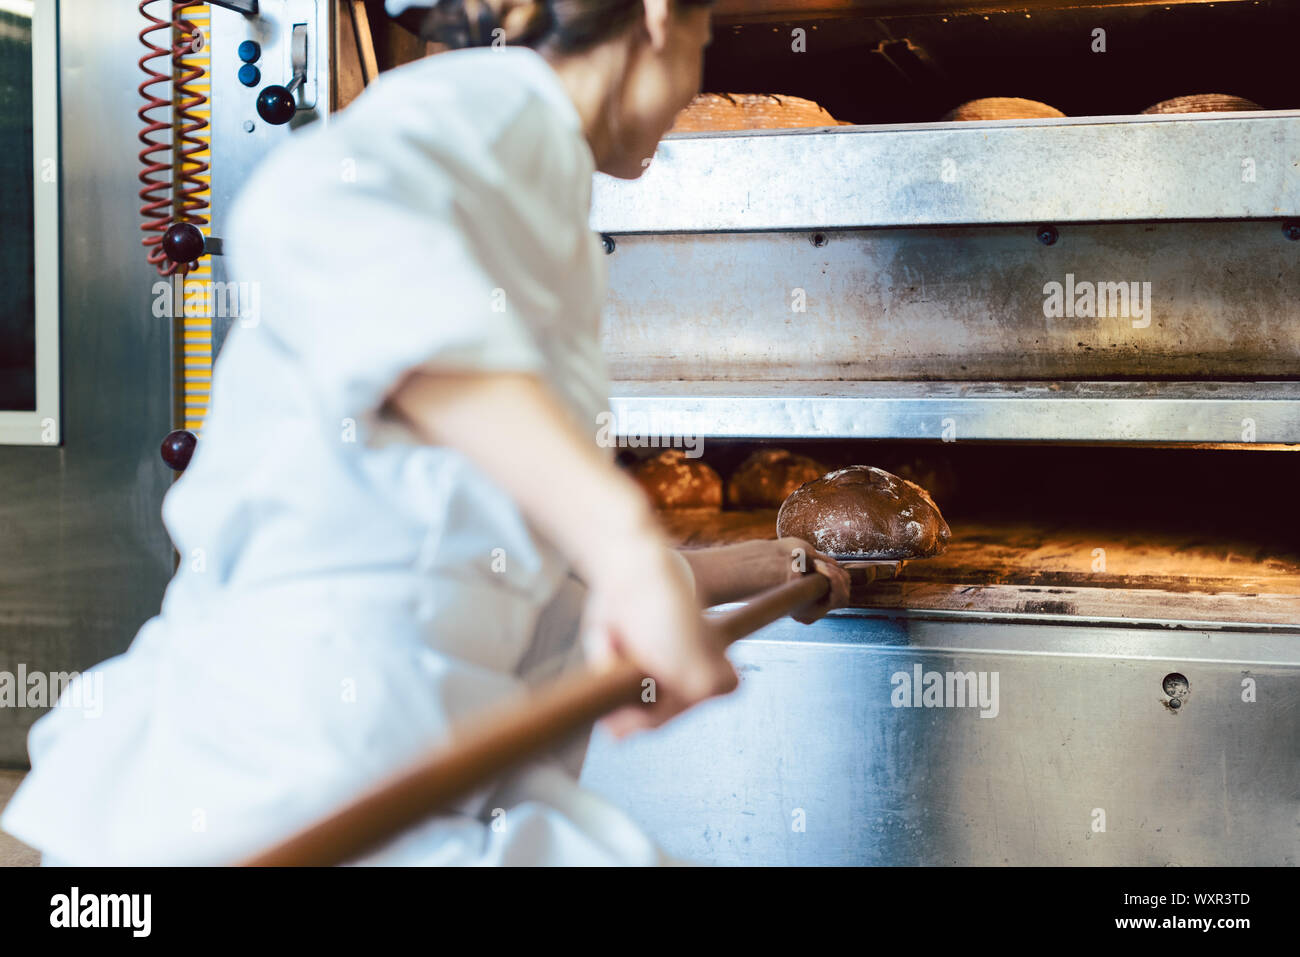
403,268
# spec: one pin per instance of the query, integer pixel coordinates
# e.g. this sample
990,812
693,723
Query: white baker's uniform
341,599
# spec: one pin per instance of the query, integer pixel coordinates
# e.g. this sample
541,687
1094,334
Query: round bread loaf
768,476
709,112
865,512
1204,103
674,481
1002,108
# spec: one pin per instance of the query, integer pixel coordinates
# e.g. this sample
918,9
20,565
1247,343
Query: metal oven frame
1118,740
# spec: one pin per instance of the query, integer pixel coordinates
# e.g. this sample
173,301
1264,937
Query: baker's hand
642,607
802,559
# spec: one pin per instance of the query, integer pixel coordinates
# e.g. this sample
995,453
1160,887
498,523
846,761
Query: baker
418,402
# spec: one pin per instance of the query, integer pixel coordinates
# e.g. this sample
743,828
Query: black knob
183,243
177,449
276,105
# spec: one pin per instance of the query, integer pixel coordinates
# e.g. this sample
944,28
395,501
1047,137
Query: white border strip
42,427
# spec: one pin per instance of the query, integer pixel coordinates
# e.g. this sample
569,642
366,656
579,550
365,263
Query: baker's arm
641,602
734,572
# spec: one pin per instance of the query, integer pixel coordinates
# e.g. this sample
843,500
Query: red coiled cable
172,190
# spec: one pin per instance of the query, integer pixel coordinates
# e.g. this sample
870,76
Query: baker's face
661,80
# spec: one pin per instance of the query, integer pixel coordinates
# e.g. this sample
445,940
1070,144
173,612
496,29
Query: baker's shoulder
492,116
476,126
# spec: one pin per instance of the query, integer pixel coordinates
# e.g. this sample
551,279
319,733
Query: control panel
268,74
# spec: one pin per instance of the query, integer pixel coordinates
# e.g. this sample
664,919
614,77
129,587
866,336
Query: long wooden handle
503,739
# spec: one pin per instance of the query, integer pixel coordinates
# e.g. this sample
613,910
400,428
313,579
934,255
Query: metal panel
790,334
1229,413
1222,166
810,762
243,137
84,558
1168,301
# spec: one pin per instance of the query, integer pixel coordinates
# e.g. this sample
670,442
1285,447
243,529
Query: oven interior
895,61
1073,532
906,61
1140,531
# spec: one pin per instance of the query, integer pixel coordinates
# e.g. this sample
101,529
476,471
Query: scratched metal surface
1072,169
83,554
1083,729
956,303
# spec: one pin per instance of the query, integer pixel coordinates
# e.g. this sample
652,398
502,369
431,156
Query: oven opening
1069,532
913,61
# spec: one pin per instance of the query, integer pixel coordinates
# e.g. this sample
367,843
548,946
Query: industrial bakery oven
1122,583
1082,334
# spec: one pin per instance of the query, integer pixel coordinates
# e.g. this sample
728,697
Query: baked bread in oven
865,512
767,477
672,480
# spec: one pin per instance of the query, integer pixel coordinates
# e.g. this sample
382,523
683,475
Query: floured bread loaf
750,111
674,481
1002,108
865,512
1204,103
768,476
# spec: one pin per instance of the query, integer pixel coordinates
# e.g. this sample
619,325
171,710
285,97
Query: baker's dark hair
560,26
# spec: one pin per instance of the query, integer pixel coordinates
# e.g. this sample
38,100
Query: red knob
183,243
177,449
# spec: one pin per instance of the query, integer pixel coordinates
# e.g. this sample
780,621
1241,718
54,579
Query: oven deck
1058,571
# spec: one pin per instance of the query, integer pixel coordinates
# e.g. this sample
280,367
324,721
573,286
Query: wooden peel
510,735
